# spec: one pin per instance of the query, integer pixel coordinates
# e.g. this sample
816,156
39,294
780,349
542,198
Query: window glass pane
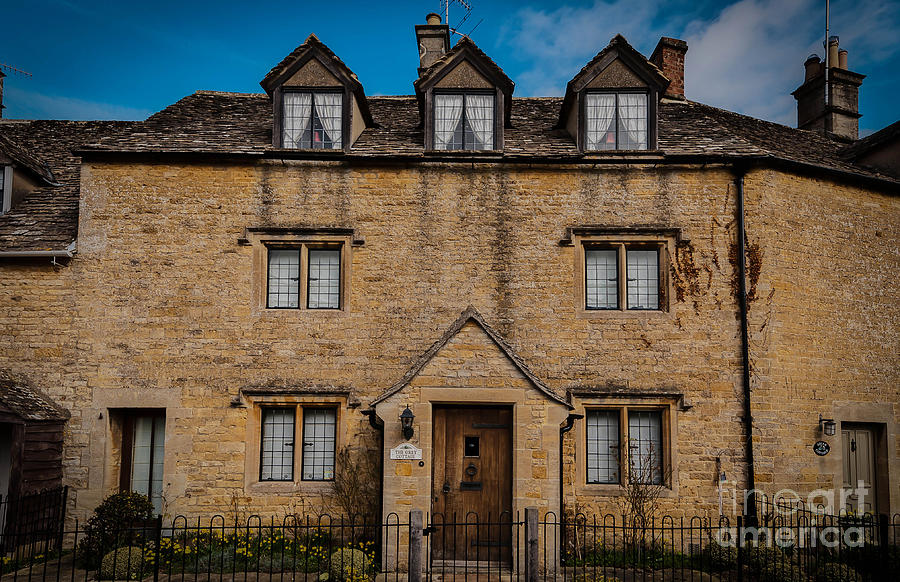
326,122
632,125
448,125
643,279
324,279
318,443
284,278
147,456
602,446
600,126
296,116
277,451
645,448
601,279
479,128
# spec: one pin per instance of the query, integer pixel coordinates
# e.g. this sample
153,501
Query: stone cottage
504,301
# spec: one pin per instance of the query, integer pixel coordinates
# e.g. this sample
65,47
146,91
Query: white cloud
559,42
748,57
24,104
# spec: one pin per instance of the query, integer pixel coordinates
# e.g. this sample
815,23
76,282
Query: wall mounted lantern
827,426
406,422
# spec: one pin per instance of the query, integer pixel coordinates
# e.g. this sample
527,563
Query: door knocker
470,484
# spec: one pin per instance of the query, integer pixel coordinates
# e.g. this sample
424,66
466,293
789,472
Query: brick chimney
840,118
669,57
433,40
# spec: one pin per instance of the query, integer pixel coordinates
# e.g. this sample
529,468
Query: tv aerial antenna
466,5
4,67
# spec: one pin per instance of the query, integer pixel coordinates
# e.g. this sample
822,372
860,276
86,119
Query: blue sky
127,59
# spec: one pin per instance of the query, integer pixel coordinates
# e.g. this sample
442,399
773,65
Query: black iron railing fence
783,543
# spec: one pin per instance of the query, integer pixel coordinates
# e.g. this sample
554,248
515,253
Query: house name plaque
406,451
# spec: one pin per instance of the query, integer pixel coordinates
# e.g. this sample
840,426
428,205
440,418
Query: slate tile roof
240,124
47,219
19,397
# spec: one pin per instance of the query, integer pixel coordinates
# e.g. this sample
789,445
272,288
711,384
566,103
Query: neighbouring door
858,448
472,484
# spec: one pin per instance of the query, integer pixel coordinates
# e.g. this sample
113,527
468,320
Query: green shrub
772,565
115,523
348,564
123,564
834,572
720,557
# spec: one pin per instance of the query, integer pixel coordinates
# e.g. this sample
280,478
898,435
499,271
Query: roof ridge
228,93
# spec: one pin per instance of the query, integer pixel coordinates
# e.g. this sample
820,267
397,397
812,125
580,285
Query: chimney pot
833,51
668,56
840,118
813,67
433,18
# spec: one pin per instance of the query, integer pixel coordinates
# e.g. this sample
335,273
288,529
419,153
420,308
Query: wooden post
531,544
415,546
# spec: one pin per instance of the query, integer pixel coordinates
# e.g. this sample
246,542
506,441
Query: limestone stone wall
825,326
159,309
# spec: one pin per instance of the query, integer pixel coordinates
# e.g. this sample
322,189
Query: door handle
446,487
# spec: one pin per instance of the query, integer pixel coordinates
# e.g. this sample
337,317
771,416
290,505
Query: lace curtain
328,109
447,115
296,117
600,110
480,113
633,115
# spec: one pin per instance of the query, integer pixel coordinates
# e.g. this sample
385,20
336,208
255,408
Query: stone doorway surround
472,364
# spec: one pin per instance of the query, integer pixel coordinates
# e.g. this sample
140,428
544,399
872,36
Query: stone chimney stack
433,39
840,118
668,56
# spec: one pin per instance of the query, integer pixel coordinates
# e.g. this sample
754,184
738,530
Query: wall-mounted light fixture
827,426
406,422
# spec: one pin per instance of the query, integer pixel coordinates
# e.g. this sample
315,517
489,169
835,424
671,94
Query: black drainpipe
750,507
570,422
378,425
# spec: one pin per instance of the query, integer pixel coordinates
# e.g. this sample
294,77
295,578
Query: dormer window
464,121
318,103
616,121
312,120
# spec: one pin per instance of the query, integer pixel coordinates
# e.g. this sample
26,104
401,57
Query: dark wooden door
472,484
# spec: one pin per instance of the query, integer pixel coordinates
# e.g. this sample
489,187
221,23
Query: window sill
286,487
621,313
433,152
291,312
615,490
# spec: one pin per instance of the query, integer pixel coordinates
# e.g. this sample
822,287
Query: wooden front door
858,449
472,484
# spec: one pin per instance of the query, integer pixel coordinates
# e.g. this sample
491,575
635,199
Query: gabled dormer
318,102
464,100
21,172
611,104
